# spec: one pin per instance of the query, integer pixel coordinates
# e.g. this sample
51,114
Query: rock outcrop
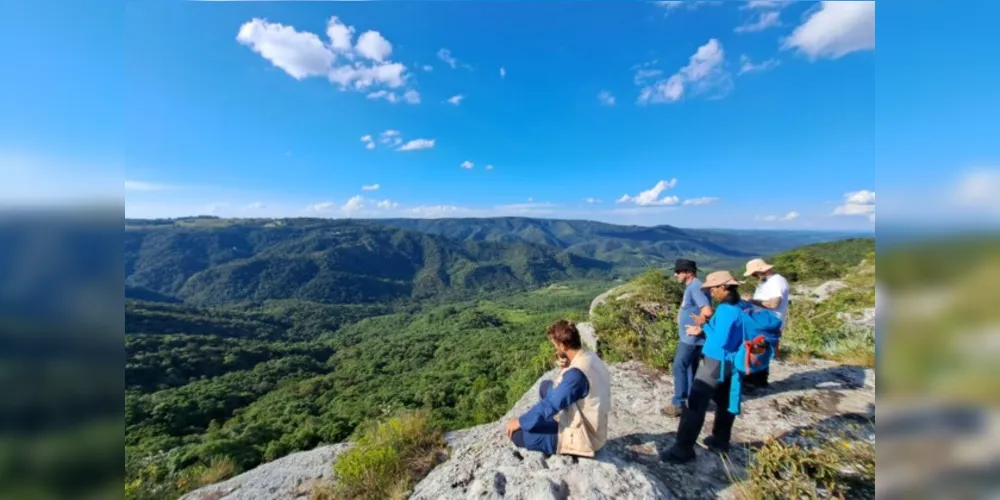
819,396
288,478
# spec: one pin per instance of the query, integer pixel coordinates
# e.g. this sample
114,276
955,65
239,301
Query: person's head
685,270
723,287
564,336
758,269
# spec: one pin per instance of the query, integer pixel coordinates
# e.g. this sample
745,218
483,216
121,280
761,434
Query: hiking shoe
673,411
675,456
714,445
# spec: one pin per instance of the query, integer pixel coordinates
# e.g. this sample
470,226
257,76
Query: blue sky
696,114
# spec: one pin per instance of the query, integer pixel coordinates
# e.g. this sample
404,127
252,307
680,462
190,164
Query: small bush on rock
837,468
389,459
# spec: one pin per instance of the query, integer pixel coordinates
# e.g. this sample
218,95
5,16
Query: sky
749,114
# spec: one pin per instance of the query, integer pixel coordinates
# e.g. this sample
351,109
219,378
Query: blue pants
545,437
686,361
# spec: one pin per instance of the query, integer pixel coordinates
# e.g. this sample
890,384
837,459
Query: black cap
681,265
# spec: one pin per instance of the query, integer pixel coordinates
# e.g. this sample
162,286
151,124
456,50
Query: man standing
695,303
772,293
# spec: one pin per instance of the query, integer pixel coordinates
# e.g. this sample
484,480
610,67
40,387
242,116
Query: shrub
837,468
816,330
627,331
388,459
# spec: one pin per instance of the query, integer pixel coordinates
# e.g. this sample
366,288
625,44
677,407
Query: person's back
591,411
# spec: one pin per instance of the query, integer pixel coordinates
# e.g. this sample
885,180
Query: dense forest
247,340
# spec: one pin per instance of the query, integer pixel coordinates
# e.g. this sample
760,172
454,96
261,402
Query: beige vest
583,427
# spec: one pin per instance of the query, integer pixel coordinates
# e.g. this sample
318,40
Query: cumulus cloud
835,30
671,6
592,201
428,68
651,197
766,4
411,96
704,73
143,186
437,211
704,200
858,203
417,144
468,165
748,66
303,54
789,217
763,21
359,203
455,100
503,72
488,167
370,187
255,206
390,138
368,141
450,60
322,207
605,98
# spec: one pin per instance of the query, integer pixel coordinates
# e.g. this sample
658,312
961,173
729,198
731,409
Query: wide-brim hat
681,265
757,266
720,278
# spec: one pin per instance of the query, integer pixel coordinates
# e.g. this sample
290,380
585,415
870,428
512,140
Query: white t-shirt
772,287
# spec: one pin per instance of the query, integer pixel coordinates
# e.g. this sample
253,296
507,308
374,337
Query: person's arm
722,321
572,388
771,296
704,308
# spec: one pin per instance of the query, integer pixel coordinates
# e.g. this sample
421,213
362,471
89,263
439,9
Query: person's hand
698,319
693,330
747,297
512,427
562,362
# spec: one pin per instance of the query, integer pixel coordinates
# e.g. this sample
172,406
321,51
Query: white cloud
858,203
605,98
651,197
390,138
368,141
764,21
359,203
643,75
705,72
428,68
978,188
835,30
468,165
340,35
704,200
370,187
592,201
670,6
411,96
417,144
789,217
255,206
455,100
326,206
503,72
303,54
748,66
300,54
766,4
371,45
437,211
488,167
445,55
143,186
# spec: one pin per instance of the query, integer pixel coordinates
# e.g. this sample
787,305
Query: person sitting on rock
572,417
695,302
772,293
723,335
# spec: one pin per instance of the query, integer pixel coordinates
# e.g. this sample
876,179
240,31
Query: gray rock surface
588,335
290,477
824,291
600,299
821,396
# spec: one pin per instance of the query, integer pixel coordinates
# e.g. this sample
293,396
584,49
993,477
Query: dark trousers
543,438
757,379
686,361
707,387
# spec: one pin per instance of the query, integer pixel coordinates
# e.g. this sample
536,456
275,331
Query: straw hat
757,266
720,278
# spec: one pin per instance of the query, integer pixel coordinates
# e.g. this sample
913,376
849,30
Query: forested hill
625,246
214,262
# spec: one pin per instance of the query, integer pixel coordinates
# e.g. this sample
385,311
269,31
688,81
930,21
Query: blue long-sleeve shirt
724,331
572,388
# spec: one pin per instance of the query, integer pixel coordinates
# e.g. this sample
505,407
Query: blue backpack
760,327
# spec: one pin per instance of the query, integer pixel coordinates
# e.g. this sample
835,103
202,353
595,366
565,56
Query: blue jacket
724,331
